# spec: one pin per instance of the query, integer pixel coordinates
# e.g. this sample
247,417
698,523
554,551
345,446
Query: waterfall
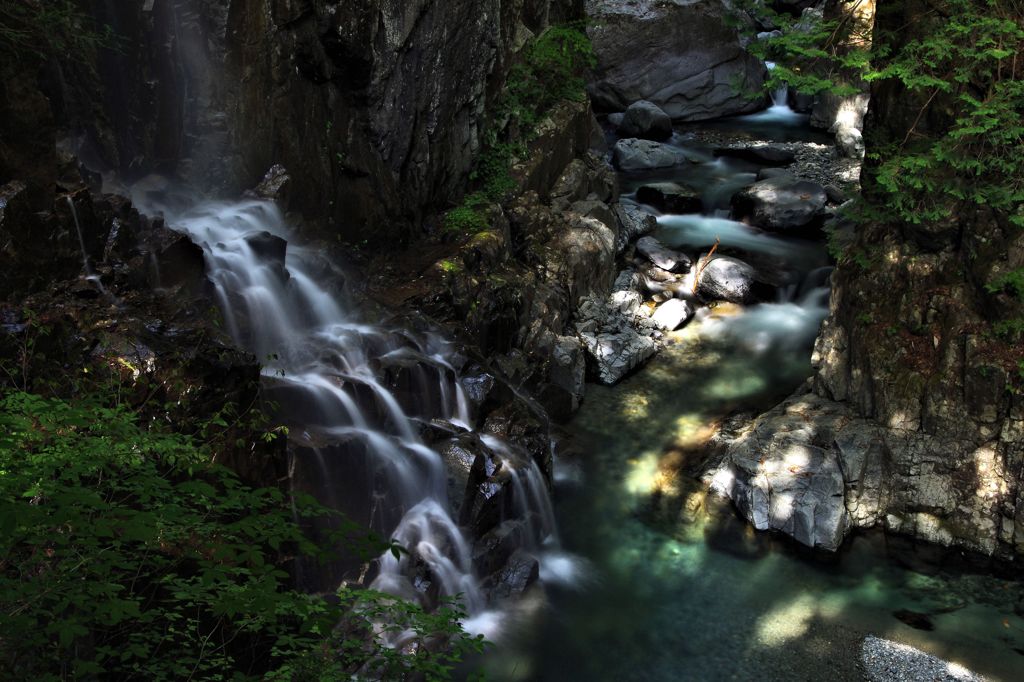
327,370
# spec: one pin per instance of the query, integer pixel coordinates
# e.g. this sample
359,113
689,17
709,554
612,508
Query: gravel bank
886,661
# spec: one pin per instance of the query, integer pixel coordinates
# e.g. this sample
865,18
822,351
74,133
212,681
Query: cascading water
327,371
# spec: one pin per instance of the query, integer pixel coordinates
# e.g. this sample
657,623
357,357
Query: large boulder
780,203
684,57
634,154
725,279
613,345
646,120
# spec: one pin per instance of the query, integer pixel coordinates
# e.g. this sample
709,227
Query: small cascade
90,275
358,394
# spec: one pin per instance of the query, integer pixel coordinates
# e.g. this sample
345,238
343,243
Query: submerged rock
645,120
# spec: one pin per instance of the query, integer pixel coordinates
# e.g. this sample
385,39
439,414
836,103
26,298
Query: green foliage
41,29
966,63
552,68
125,553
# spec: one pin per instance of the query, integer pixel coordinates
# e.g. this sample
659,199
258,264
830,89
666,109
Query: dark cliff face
376,107
910,343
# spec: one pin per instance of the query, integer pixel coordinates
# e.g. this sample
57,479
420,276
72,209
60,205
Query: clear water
670,587
666,584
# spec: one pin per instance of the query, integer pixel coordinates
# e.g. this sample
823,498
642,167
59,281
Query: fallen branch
700,266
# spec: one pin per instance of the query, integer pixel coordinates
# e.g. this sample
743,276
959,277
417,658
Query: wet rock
520,572
645,120
459,454
764,154
478,386
702,71
633,223
633,154
672,314
496,547
670,197
726,279
780,203
267,246
663,257
487,494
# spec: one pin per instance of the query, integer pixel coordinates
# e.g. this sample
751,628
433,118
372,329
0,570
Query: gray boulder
613,346
670,197
683,57
780,203
645,120
781,476
665,258
634,154
726,279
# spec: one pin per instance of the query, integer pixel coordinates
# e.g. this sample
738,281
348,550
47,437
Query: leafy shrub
49,28
125,553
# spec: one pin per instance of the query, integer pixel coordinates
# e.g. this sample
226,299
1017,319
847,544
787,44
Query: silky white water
327,369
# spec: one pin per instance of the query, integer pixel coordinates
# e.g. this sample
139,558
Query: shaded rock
672,314
726,279
780,203
633,154
645,120
566,376
765,154
663,257
670,197
683,57
633,223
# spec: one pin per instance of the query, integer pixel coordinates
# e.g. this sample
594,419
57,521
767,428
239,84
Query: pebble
887,661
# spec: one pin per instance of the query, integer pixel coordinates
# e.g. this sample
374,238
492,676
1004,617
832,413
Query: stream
670,585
